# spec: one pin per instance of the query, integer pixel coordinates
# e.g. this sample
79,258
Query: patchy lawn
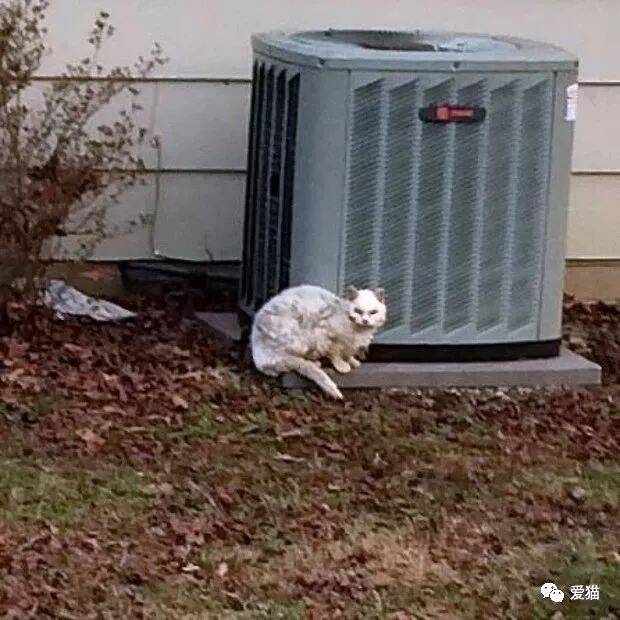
146,472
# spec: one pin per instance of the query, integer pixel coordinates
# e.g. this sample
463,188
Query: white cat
300,326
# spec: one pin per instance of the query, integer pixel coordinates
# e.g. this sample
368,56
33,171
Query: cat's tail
315,373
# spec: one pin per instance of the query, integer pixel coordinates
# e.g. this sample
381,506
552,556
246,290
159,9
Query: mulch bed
148,472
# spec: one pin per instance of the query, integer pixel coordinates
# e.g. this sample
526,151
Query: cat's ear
350,293
379,294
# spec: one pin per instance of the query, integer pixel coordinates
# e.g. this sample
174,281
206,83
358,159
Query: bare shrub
57,165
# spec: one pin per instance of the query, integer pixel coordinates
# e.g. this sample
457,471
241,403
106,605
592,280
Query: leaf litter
149,456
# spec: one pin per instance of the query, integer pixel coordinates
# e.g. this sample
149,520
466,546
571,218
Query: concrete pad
566,369
226,324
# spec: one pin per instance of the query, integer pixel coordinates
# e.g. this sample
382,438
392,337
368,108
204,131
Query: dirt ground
147,472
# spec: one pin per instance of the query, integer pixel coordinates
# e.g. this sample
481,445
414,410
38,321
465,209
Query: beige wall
203,123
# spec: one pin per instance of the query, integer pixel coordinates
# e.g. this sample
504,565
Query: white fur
294,330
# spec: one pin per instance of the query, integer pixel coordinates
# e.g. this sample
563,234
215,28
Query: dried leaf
90,438
288,458
179,402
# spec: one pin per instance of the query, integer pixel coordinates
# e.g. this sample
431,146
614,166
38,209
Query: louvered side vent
449,218
436,160
269,185
365,168
496,206
463,215
395,270
527,245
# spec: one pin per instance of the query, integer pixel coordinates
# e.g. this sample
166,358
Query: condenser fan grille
449,218
270,184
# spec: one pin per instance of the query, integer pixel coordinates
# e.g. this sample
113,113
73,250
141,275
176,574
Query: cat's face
367,307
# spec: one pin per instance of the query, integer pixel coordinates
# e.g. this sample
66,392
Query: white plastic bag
68,301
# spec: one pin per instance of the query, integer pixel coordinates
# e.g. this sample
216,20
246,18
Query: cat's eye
373,311
358,311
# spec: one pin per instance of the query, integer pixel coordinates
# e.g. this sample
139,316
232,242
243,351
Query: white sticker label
571,102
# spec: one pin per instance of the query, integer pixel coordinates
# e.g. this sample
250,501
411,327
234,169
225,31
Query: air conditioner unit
433,164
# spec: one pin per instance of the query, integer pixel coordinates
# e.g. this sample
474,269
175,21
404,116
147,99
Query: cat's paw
341,366
355,363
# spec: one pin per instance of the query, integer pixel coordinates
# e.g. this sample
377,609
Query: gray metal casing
464,225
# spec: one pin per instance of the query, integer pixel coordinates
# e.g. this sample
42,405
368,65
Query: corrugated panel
275,190
249,224
433,181
531,201
396,238
365,162
269,185
501,156
289,179
263,192
464,216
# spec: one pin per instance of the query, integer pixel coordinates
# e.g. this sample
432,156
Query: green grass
29,492
374,513
164,601
31,412
603,482
582,564
199,425
202,423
